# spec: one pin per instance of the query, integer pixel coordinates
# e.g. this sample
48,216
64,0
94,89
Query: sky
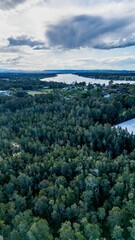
67,34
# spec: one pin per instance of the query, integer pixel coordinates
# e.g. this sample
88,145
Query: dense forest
31,81
66,171
26,81
110,75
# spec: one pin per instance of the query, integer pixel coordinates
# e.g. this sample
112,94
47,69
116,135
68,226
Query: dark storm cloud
26,41
88,31
9,4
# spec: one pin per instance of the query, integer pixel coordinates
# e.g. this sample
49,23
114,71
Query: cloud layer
24,40
38,34
89,31
9,4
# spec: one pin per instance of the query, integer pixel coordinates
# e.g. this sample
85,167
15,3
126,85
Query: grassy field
45,91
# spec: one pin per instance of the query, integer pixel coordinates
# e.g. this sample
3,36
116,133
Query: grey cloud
88,31
9,49
41,48
128,61
121,43
9,4
120,63
11,61
15,60
26,41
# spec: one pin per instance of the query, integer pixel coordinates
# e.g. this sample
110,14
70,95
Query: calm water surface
71,78
129,125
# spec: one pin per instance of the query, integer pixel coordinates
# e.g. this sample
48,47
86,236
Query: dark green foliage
65,171
111,75
27,81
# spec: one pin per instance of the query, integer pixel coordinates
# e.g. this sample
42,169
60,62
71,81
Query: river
72,78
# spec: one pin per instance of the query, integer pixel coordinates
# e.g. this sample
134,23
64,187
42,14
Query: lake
129,125
71,78
4,92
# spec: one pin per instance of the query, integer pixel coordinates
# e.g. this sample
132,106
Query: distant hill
69,71
63,71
